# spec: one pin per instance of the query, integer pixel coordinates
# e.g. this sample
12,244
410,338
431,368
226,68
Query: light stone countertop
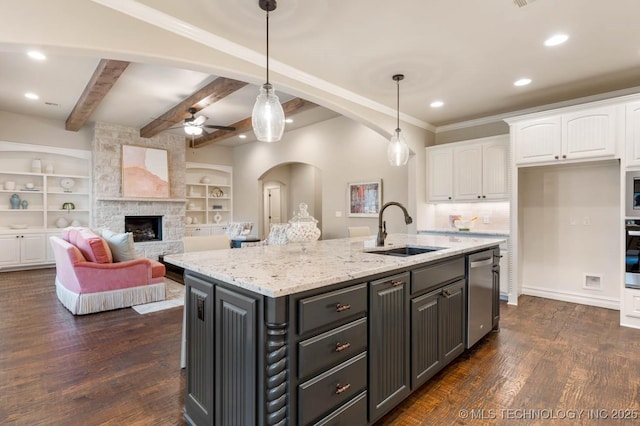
281,270
473,232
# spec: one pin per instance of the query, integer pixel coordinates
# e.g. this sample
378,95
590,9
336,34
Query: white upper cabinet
537,141
569,136
633,134
473,170
495,169
440,173
467,175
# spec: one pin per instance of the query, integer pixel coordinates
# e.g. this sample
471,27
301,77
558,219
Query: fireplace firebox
144,228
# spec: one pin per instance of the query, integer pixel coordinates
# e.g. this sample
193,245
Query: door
467,166
590,133
272,207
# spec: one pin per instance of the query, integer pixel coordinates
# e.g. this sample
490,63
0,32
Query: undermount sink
406,251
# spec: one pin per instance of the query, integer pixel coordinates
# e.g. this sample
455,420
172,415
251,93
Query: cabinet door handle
564,156
340,307
446,293
396,283
556,157
342,346
340,389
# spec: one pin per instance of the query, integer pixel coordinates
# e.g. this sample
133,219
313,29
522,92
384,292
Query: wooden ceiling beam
218,89
292,107
104,77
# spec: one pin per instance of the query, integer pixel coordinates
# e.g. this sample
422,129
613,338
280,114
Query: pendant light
267,117
398,150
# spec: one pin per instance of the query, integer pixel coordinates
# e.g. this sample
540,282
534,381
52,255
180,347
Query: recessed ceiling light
522,82
32,96
556,40
38,56
436,104
242,136
288,120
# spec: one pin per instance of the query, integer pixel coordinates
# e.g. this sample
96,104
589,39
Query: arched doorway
284,187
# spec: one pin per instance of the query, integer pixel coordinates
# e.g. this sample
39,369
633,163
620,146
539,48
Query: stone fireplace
144,228
110,208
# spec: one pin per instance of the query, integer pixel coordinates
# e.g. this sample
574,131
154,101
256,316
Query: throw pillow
121,245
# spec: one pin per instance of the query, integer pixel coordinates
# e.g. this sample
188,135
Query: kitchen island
325,332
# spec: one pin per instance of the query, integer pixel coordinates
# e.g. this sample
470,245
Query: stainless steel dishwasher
480,267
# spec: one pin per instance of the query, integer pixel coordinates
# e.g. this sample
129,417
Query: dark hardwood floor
550,358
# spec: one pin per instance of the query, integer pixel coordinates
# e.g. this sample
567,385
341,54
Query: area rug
174,298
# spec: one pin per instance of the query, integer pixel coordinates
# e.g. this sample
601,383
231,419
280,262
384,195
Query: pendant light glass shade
398,150
267,117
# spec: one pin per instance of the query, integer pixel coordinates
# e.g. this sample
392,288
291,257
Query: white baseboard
601,302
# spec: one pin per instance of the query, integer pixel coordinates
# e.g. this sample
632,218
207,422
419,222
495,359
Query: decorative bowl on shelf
18,226
464,224
205,179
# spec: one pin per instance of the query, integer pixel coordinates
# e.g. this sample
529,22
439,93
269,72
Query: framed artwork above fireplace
145,172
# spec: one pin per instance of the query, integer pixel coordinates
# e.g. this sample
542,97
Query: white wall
569,219
41,131
344,151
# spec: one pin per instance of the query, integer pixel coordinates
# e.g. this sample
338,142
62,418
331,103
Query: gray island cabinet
322,334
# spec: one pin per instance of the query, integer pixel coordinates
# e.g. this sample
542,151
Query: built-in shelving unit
209,207
46,178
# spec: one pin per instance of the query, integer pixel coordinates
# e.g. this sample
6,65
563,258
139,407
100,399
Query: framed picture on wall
145,172
364,198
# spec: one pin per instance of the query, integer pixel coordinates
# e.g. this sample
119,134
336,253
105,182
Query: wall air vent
522,3
592,282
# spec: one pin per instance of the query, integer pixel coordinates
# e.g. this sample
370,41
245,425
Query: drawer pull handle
342,346
446,293
396,283
340,307
340,389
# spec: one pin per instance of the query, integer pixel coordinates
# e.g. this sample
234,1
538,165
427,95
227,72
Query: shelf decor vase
36,166
15,201
25,204
62,222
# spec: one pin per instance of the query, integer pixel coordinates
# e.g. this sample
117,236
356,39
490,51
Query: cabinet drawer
334,306
353,413
429,277
331,389
332,347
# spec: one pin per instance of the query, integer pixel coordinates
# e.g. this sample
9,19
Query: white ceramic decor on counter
303,227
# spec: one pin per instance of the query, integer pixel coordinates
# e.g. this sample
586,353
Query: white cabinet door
495,169
633,134
9,250
32,248
467,175
538,140
439,173
590,133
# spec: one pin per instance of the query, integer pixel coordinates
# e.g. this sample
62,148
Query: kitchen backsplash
496,215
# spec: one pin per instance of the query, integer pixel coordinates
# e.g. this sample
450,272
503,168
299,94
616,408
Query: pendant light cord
267,46
398,107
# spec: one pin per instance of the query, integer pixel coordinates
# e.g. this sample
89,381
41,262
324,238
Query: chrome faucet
382,225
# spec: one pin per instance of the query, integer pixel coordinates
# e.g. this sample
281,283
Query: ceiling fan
194,126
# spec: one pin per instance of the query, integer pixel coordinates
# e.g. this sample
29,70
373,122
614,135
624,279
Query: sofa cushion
92,246
121,245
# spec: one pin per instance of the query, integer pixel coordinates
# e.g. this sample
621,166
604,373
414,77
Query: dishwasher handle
480,263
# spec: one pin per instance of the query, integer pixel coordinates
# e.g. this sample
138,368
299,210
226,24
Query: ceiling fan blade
199,120
228,128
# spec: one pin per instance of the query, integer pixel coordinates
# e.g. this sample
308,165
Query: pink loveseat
87,279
